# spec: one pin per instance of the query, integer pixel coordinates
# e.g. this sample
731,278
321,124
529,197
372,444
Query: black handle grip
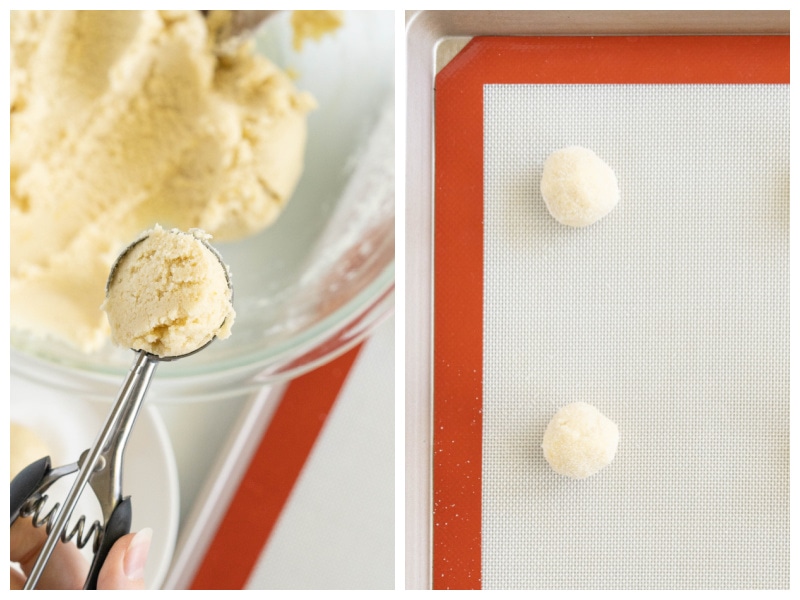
119,524
25,483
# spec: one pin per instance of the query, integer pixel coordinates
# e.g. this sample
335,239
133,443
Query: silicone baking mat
670,315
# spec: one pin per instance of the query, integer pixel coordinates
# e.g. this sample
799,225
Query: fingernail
136,554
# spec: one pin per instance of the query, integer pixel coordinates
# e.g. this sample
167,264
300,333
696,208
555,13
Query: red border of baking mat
271,475
458,228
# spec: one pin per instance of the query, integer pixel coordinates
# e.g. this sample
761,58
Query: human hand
67,567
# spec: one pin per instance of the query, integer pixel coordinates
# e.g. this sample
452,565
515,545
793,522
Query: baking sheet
514,531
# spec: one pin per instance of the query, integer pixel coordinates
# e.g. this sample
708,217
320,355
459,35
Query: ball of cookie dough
579,441
26,447
578,187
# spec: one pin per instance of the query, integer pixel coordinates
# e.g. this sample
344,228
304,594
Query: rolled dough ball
578,187
580,440
26,447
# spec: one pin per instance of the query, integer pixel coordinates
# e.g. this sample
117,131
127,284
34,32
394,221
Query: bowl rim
334,334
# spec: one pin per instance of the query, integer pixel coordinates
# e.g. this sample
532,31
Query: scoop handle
25,484
119,524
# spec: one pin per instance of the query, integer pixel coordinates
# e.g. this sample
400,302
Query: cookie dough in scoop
169,294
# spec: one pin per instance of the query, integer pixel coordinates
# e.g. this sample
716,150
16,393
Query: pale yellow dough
124,119
169,294
26,447
578,187
313,24
580,441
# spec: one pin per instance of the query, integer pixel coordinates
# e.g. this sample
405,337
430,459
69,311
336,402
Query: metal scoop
244,22
100,466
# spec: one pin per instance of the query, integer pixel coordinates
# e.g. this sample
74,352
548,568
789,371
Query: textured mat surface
670,316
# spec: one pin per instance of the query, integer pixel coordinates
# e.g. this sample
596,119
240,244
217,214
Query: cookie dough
580,441
578,187
26,447
169,294
313,24
123,119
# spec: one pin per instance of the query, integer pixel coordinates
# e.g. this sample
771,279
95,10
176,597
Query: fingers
17,579
66,569
124,566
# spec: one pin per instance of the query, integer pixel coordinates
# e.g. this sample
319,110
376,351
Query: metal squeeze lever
100,466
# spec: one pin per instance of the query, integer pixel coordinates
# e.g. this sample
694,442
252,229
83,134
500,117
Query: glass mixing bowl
322,276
